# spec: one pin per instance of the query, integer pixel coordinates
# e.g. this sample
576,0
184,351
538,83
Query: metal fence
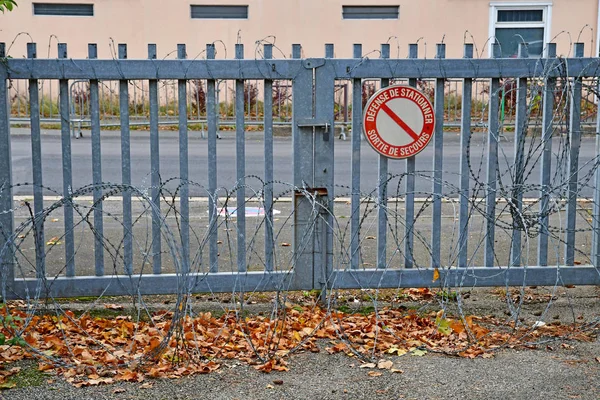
324,256
80,110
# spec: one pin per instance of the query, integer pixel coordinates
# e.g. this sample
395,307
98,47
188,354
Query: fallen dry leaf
368,365
385,364
118,390
418,353
54,241
374,373
370,237
125,341
396,371
146,385
113,306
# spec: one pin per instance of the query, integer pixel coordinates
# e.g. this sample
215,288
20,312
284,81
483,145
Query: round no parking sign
398,121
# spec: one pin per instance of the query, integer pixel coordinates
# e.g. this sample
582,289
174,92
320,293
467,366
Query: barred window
219,11
370,12
63,9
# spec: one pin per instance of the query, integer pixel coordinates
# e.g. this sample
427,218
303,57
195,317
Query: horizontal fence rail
509,176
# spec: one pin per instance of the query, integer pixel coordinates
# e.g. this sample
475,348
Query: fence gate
385,221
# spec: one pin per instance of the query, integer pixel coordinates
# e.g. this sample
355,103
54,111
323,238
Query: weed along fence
509,200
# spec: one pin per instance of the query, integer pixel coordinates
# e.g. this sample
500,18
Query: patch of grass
27,377
345,309
366,310
447,295
105,313
315,293
85,299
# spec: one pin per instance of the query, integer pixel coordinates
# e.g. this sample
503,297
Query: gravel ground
531,374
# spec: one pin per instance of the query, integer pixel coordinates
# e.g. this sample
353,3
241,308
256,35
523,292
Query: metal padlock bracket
315,123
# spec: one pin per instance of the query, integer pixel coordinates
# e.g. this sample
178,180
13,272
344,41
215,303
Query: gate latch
315,123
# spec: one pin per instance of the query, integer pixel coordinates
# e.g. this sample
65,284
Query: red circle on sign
398,121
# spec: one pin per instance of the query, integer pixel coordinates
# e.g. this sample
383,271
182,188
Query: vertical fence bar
268,147
211,116
67,167
465,140
240,157
324,170
184,192
596,211
409,196
126,167
382,189
547,117
575,133
96,168
355,168
36,165
492,164
438,158
302,144
155,167
6,201
519,165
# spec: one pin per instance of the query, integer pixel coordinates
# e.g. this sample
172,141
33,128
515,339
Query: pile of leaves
90,350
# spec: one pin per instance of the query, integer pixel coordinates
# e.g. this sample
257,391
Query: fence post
126,167
324,171
36,166
67,167
382,186
240,163
409,188
548,128
96,167
356,139
212,109
596,211
465,140
516,200
155,168
492,164
575,144
6,213
302,144
438,158
268,149
184,165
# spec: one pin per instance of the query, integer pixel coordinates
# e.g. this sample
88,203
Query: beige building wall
311,23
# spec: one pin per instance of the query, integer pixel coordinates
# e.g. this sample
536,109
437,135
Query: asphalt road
226,158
